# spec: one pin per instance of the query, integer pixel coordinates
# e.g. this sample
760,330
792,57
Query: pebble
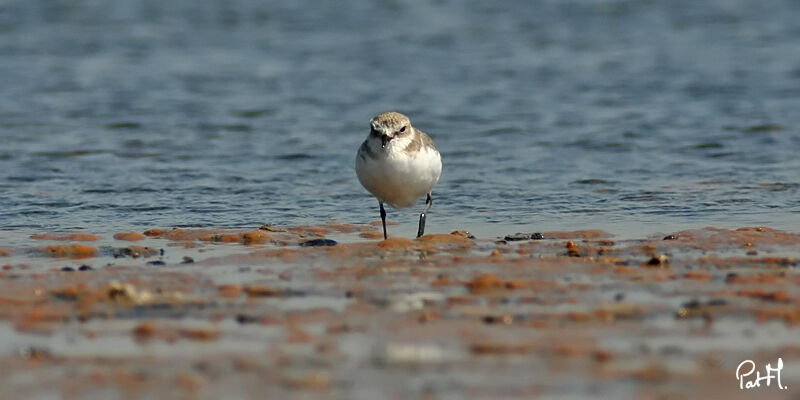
518,236
319,242
246,319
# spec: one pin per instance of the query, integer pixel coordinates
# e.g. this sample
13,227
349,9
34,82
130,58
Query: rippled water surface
628,116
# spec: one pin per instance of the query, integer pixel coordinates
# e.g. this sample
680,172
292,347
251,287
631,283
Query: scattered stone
262,291
33,353
75,250
85,268
573,250
68,269
537,236
318,242
154,232
255,237
136,252
156,262
656,261
230,291
246,319
670,237
144,331
129,236
187,260
487,282
518,236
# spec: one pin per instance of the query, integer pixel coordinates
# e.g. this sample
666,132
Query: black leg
383,220
428,203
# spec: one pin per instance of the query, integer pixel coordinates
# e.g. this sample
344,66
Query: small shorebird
398,164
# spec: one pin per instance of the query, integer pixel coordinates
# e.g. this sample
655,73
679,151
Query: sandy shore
333,311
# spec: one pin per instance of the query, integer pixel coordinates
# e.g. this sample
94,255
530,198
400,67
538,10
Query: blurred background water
629,116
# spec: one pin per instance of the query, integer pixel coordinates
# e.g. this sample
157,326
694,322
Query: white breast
396,178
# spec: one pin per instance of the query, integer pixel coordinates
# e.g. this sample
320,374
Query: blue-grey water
628,116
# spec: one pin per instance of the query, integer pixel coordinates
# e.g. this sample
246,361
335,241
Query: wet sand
333,311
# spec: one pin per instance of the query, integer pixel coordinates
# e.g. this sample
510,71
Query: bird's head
388,126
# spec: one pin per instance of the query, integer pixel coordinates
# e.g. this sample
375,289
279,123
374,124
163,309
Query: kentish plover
398,164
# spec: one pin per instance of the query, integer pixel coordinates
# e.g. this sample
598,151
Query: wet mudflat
333,311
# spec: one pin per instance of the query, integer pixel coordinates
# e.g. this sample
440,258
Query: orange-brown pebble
188,234
75,250
129,236
230,291
572,249
396,243
4,252
261,291
154,232
776,296
602,355
76,237
256,237
485,282
371,235
144,330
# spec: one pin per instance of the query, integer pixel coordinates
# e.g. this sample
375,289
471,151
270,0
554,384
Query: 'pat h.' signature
746,369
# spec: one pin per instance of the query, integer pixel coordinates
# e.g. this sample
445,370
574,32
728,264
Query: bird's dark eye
403,129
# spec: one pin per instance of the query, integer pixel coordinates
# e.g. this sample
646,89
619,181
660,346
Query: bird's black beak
385,140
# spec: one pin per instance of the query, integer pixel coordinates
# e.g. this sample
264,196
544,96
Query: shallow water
632,117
